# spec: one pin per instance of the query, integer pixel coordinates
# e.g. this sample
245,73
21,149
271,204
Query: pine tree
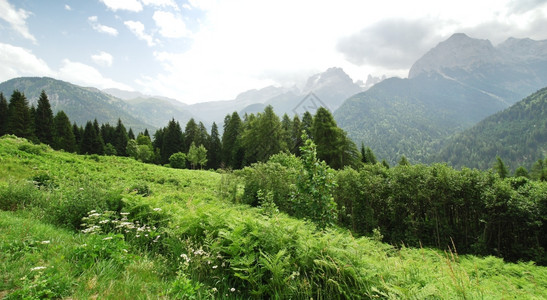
64,136
232,152
307,123
191,135
296,136
44,120
92,142
108,133
215,148
521,172
404,161
328,138
120,139
173,141
286,126
19,118
4,112
500,168
146,132
130,134
78,133
263,136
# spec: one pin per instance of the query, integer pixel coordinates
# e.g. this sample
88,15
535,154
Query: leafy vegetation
75,226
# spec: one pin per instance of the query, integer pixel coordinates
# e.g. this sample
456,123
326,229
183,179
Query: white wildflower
107,238
232,290
215,266
44,242
157,209
37,268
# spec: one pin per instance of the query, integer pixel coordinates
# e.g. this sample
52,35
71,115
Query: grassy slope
241,248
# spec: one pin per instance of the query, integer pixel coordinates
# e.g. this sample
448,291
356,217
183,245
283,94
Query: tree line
244,140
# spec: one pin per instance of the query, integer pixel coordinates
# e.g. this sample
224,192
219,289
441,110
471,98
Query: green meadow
106,227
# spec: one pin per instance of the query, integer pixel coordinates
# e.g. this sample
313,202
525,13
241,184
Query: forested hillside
80,104
518,135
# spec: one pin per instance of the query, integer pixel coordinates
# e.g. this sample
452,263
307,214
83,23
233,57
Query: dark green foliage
262,136
307,124
521,172
500,168
19,118
332,144
475,211
120,139
130,134
64,137
172,140
92,142
4,112
215,148
518,134
539,170
296,136
43,121
191,135
367,156
78,132
232,152
404,161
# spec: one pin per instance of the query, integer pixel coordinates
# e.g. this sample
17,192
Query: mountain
81,104
158,111
330,89
452,87
518,135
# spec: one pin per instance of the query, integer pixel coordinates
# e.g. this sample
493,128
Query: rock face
465,53
459,51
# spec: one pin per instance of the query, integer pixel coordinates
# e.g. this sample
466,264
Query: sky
205,50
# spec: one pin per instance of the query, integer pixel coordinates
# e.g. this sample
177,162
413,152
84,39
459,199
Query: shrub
177,160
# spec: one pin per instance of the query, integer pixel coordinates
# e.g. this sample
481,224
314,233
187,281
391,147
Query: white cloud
161,3
130,5
103,59
86,75
17,62
16,18
138,29
67,7
170,25
93,20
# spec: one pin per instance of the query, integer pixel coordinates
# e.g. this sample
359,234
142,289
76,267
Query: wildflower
232,290
104,221
81,189
157,209
44,242
125,250
215,266
124,213
107,238
37,268
214,290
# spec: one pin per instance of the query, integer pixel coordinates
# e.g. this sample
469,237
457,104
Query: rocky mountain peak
458,51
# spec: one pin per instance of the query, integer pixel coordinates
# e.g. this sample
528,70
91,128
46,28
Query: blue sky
202,50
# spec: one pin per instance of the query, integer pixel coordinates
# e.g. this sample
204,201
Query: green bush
177,160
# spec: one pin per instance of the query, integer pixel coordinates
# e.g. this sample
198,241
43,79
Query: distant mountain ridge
452,87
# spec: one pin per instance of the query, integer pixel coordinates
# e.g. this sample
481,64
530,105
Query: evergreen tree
173,141
367,156
191,135
4,112
19,118
307,123
130,134
500,168
404,161
296,136
263,136
203,136
385,164
328,138
108,133
539,170
215,148
43,121
146,132
78,133
521,172
92,142
120,139
32,125
232,152
64,136
286,127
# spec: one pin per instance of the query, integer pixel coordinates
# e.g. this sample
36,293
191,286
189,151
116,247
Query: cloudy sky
202,50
